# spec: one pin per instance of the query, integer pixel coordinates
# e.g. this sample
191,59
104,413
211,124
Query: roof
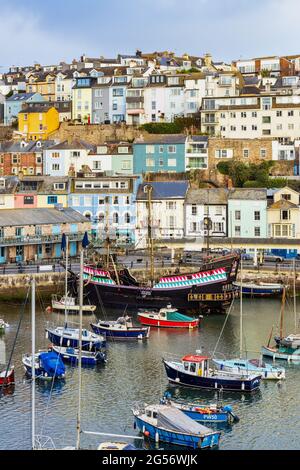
250,90
22,217
162,139
40,108
25,147
164,190
194,358
283,204
248,194
207,196
20,97
75,144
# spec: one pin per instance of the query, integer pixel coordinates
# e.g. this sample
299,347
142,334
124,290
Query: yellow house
38,122
284,214
43,84
82,99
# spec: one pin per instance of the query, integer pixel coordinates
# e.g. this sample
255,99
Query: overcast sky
48,32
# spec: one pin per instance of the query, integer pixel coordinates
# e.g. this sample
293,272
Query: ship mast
149,190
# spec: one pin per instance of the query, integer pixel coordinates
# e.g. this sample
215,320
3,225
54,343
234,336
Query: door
57,251
73,249
2,255
19,253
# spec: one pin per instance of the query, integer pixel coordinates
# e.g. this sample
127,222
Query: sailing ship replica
208,289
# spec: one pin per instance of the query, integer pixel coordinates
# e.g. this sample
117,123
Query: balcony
39,239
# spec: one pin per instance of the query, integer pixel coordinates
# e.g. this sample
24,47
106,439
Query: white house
206,203
66,157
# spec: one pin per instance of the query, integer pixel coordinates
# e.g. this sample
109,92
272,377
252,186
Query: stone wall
96,133
6,133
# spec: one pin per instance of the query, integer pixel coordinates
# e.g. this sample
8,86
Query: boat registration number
211,297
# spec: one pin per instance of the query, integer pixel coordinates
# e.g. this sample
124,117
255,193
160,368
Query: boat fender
156,437
47,334
90,345
46,375
68,343
48,309
146,433
61,341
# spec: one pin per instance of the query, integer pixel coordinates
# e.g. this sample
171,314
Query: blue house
109,203
159,153
13,105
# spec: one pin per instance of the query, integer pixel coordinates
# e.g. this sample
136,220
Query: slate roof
20,97
75,144
32,146
22,217
37,109
217,196
164,190
283,204
248,194
162,139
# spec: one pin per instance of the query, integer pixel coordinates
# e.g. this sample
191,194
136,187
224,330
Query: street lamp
207,226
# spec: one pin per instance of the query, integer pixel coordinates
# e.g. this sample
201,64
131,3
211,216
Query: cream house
284,214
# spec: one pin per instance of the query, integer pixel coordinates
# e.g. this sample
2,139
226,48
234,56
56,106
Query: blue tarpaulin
52,363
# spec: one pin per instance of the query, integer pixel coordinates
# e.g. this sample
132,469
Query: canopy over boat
194,358
52,363
175,420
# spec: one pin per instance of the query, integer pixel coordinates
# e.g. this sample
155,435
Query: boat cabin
196,365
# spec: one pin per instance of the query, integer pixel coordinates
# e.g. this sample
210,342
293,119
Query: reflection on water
135,373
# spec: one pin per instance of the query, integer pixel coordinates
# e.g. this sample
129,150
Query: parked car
247,257
273,258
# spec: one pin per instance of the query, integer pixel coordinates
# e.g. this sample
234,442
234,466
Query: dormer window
59,186
102,150
2,183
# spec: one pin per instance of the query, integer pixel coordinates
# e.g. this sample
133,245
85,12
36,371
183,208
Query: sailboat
7,375
43,364
246,366
67,337
286,348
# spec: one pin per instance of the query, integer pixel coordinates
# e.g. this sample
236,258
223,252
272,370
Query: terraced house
32,234
109,203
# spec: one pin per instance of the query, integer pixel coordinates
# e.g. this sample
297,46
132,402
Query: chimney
208,60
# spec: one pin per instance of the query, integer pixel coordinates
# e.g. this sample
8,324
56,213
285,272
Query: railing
38,239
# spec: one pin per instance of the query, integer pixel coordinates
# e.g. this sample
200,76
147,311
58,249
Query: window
232,115
97,165
150,149
254,128
153,105
126,165
19,231
55,167
115,200
285,215
52,200
16,159
279,127
150,162
266,103
171,149
218,227
266,119
127,218
257,231
194,210
244,128
287,197
28,200
171,205
224,153
161,149
291,126
118,92
243,115
88,200
237,231
161,162
256,215
237,215
172,162
218,210
291,113
115,218
254,114
55,154
263,153
127,200
266,131
59,186
278,113
246,153
232,128
123,150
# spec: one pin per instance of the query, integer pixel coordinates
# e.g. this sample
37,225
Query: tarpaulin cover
52,363
171,418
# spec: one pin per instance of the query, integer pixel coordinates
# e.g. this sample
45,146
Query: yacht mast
33,363
295,298
66,279
241,311
80,349
150,239
281,313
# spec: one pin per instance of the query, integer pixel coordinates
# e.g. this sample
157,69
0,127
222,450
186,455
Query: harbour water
269,419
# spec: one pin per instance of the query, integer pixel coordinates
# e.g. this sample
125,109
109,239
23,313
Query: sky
61,30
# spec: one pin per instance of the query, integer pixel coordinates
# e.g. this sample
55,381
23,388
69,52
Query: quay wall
14,286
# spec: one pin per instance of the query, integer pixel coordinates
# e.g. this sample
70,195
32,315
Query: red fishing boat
7,378
168,317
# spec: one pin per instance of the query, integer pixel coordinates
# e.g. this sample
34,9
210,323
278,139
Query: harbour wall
14,286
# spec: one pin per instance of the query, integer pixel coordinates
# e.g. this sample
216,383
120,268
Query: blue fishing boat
212,413
71,355
282,352
168,424
48,365
260,289
69,337
121,329
194,371
246,366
